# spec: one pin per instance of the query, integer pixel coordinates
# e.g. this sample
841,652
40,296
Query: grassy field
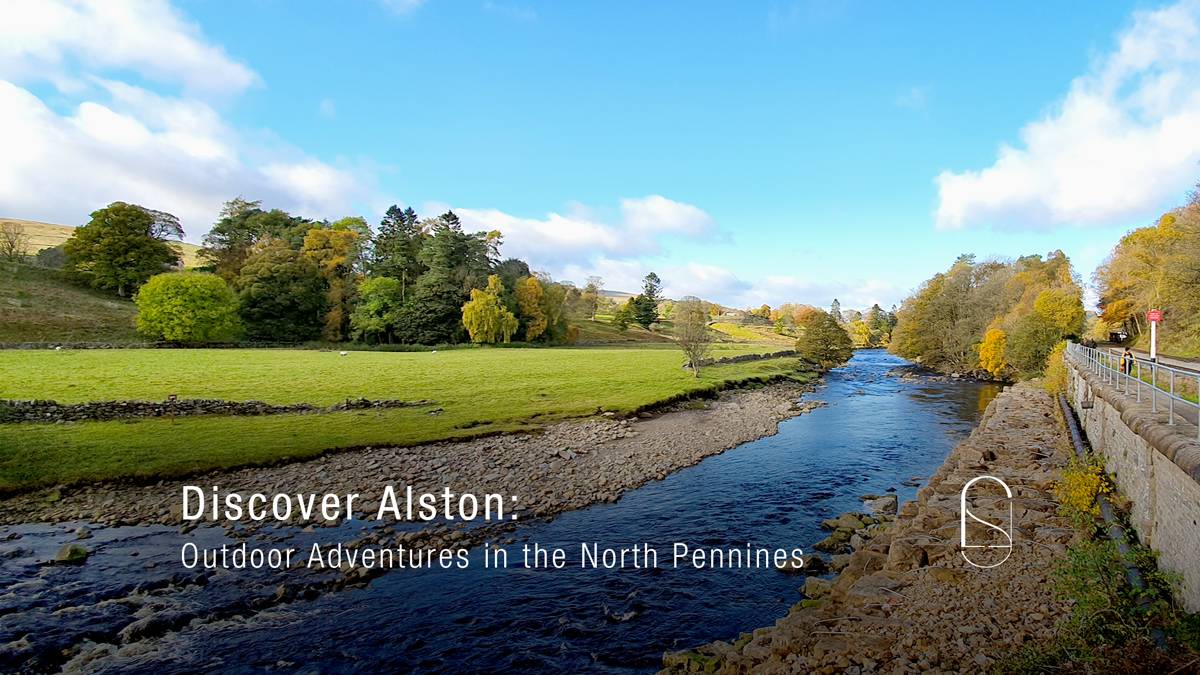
762,334
46,235
37,305
475,391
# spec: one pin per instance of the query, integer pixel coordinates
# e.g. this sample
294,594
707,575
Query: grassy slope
478,390
37,305
763,334
46,235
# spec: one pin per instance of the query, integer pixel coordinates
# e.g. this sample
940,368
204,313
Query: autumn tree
486,319
991,352
529,297
335,253
692,333
823,340
242,224
117,249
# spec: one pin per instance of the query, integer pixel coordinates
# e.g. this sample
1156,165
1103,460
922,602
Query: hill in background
39,305
47,235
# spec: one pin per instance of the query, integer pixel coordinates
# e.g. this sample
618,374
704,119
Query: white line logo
964,512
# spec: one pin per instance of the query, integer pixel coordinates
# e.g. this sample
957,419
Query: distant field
37,305
46,235
474,390
603,332
754,334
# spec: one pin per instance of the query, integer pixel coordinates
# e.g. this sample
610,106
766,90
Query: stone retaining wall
1157,466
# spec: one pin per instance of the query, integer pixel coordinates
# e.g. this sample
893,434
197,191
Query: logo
991,534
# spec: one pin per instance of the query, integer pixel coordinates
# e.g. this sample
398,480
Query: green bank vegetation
473,391
1111,626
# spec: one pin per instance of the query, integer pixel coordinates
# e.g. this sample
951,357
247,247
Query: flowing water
877,432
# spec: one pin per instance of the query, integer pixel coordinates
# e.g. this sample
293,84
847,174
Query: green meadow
473,391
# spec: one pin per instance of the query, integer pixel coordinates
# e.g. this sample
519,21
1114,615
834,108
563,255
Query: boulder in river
72,554
887,504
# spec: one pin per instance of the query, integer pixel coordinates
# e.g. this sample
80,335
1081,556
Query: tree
692,333
281,294
991,352
835,310
396,249
377,313
334,251
117,251
624,315
591,295
860,334
645,305
1063,308
187,307
241,226
823,340
486,319
529,297
1031,343
14,242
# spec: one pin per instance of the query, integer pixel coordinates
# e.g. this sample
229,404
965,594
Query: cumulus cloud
114,140
1121,143
556,237
49,38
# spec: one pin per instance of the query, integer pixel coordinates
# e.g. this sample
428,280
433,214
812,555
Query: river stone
846,521
886,504
816,587
72,554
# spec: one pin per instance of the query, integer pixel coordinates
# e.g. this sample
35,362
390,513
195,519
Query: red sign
1154,315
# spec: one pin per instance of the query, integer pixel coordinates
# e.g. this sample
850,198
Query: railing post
1153,387
1139,380
1171,401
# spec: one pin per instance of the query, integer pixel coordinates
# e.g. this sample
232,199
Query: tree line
272,276
1155,267
1002,318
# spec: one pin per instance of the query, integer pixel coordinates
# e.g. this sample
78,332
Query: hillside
38,305
45,235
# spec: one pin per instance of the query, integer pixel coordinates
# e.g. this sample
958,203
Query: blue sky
747,152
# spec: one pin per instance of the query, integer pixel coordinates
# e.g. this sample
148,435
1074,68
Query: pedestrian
1127,361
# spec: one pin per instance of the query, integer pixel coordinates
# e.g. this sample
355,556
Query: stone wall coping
1173,442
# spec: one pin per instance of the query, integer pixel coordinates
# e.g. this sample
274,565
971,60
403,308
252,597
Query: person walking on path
1127,361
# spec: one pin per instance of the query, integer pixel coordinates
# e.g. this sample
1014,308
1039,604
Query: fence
1138,377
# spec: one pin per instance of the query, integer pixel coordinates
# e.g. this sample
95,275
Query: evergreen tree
645,305
835,311
396,250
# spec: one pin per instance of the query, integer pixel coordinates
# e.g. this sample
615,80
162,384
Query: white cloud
117,141
580,234
45,40
1123,142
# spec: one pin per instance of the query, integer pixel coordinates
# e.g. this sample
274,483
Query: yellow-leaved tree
485,317
529,297
991,351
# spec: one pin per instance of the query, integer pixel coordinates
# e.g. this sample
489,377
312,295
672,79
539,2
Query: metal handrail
1108,367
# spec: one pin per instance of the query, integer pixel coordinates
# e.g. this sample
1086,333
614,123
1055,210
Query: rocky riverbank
905,599
564,466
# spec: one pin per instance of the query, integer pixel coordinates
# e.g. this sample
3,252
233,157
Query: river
876,432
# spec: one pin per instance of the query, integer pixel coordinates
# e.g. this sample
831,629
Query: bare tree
692,333
14,243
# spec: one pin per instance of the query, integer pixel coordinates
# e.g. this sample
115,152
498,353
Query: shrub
1056,370
187,307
